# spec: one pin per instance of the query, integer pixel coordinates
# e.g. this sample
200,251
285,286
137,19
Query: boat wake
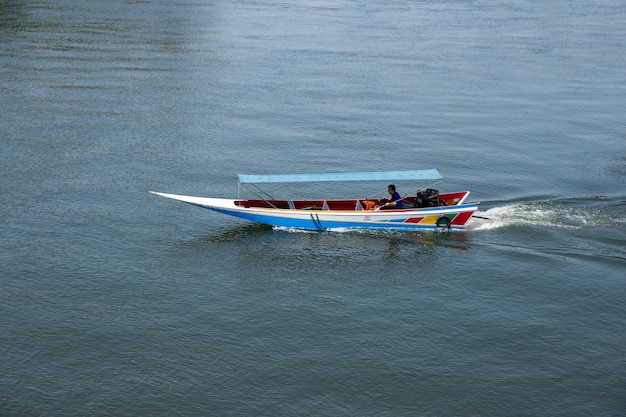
571,213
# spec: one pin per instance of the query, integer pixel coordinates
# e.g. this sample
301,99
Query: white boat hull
431,218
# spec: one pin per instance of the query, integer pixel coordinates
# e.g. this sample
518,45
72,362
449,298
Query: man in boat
395,202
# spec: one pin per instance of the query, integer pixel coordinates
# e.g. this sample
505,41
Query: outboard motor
427,198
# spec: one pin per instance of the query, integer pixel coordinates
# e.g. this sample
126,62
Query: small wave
293,230
342,230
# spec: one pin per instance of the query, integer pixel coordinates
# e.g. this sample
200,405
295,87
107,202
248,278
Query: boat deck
449,199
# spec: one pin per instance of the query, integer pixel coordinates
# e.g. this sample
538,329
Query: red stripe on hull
462,218
414,220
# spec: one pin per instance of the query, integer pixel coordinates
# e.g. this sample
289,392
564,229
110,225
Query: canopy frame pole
401,184
381,192
430,186
257,195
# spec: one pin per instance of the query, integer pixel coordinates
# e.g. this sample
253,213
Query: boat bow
207,202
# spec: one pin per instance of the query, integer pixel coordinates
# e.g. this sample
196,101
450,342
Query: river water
117,302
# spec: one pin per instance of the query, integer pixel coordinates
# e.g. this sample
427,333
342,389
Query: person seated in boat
395,202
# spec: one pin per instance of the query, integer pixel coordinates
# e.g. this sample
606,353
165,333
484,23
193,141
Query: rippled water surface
117,302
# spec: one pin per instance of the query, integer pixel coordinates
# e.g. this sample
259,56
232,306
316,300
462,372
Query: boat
427,209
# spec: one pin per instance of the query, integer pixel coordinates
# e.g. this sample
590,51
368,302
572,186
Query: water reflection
238,232
366,239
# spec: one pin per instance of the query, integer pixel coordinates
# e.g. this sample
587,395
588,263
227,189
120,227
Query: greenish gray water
116,302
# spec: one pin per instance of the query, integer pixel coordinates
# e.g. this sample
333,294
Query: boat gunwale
402,210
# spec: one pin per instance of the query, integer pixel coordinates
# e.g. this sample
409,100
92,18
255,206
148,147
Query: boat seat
368,204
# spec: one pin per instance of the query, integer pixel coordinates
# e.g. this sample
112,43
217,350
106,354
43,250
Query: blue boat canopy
424,174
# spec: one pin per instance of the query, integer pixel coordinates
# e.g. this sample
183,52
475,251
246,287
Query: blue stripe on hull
311,224
271,220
